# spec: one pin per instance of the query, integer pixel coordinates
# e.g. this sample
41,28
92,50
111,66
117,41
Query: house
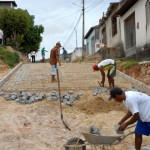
92,40
135,26
7,4
110,34
76,53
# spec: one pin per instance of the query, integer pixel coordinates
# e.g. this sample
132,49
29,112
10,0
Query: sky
62,20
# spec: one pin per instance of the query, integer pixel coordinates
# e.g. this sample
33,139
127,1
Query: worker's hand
122,127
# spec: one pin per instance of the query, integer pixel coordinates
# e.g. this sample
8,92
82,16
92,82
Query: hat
58,43
115,91
95,67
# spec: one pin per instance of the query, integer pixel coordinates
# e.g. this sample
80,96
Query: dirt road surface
38,126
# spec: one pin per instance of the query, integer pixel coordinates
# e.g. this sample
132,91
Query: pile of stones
28,98
100,90
68,98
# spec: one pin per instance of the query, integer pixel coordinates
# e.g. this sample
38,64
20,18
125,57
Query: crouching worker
110,65
138,105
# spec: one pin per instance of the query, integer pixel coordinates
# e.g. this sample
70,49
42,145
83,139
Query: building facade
7,4
92,40
135,25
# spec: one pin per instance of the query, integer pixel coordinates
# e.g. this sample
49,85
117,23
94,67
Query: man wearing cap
138,105
110,65
54,59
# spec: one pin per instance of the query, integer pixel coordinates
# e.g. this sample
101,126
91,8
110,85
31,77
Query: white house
135,25
76,53
7,4
92,40
113,26
110,33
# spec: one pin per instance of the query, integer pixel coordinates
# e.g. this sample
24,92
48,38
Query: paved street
37,76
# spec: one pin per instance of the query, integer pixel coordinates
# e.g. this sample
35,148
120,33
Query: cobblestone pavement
72,75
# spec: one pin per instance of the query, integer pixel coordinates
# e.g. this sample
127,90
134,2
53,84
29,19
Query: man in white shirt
33,54
1,37
110,65
138,105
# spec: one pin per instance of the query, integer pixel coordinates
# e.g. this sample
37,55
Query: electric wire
73,30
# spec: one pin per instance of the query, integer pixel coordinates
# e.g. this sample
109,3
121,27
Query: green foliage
130,63
19,29
123,59
32,39
9,58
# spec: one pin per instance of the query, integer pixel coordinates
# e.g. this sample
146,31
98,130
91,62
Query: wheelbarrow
76,143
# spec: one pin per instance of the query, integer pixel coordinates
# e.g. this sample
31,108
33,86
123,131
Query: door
130,33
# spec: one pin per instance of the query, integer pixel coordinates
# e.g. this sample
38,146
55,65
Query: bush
9,58
130,63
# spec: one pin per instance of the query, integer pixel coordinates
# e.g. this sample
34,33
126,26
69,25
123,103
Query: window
114,25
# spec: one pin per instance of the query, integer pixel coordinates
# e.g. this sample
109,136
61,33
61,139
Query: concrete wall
76,53
140,18
112,41
6,5
90,48
148,23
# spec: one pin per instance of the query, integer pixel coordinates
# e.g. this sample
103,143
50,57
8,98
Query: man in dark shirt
54,59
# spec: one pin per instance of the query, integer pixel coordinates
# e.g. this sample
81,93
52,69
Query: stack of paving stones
28,98
68,98
99,90
25,97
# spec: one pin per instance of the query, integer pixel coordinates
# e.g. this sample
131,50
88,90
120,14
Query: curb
139,85
3,80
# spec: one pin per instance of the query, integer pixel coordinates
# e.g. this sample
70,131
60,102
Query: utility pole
76,40
83,29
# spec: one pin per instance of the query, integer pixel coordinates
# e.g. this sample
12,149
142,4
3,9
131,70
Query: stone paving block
77,96
49,98
70,92
81,94
13,97
146,148
2,93
22,102
67,97
69,103
95,94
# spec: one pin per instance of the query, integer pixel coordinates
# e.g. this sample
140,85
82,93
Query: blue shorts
142,128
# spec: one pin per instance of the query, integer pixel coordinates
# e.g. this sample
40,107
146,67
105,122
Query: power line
95,5
73,30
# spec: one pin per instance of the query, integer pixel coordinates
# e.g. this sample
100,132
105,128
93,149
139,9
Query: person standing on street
138,105
110,65
33,54
43,54
54,59
1,37
64,53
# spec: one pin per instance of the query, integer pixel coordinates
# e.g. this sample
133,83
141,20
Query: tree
18,26
32,39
